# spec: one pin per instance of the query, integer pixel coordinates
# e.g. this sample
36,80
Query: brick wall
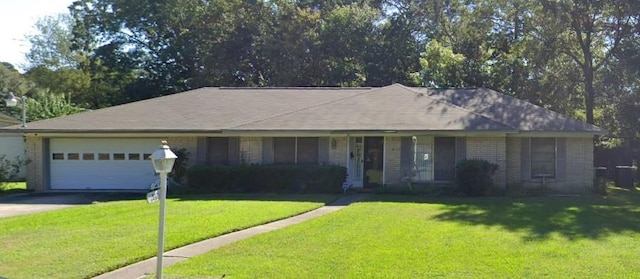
513,160
579,167
338,155
251,150
492,149
35,169
188,143
580,170
392,171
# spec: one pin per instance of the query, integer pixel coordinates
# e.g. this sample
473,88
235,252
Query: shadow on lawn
574,218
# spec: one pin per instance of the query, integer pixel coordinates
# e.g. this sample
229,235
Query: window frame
296,151
531,159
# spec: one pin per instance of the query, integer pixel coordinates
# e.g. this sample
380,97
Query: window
307,151
134,156
146,156
57,156
218,151
543,157
118,156
88,156
103,156
73,156
444,156
284,150
295,150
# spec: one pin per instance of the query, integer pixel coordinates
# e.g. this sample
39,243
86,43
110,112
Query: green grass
88,240
9,188
414,237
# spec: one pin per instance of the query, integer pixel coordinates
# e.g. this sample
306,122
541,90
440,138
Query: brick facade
188,143
392,170
580,170
579,167
338,151
37,156
492,149
250,150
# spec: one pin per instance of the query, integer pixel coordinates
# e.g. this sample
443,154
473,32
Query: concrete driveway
34,203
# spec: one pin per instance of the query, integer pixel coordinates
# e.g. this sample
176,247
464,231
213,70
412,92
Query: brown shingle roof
393,107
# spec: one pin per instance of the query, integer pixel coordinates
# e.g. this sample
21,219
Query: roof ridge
305,108
439,100
295,88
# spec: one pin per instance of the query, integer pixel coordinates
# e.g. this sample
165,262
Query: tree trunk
589,92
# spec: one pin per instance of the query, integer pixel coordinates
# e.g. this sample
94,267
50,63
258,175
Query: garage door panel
102,163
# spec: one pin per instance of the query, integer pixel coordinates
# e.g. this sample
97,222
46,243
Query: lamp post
11,101
162,159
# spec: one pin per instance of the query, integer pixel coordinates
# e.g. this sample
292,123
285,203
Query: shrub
9,169
475,176
266,179
180,165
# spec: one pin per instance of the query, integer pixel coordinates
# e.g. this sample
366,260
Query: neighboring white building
12,144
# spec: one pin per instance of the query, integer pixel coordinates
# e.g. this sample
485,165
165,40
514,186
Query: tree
48,105
591,36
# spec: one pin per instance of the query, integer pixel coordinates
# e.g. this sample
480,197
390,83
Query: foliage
45,106
266,179
10,188
10,168
180,165
66,242
424,237
474,177
574,57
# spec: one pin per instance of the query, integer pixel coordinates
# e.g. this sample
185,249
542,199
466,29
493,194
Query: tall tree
593,30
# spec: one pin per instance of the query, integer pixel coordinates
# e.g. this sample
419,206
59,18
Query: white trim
384,160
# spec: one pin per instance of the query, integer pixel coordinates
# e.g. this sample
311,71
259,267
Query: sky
17,18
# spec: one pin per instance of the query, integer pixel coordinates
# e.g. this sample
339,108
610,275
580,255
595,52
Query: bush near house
474,177
266,179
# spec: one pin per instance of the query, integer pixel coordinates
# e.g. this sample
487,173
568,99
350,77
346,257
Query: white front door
101,164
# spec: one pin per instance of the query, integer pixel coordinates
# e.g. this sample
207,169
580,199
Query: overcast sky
17,18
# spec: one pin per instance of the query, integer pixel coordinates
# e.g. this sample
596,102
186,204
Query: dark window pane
118,156
134,156
284,150
57,156
218,151
146,156
73,156
103,156
308,151
543,157
88,156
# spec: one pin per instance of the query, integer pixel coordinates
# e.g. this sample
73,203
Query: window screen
307,150
543,157
218,151
284,150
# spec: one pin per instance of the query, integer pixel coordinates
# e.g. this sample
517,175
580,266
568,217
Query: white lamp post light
162,159
11,101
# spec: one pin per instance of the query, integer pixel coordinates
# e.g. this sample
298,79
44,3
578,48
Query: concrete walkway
148,266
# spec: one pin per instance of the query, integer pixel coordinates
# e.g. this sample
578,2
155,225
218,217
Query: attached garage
101,164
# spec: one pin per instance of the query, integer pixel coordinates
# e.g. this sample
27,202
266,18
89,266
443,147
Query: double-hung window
291,150
543,157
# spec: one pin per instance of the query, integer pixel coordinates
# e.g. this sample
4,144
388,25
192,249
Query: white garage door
96,164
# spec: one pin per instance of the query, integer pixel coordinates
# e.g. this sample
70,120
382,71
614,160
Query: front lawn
85,241
414,237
